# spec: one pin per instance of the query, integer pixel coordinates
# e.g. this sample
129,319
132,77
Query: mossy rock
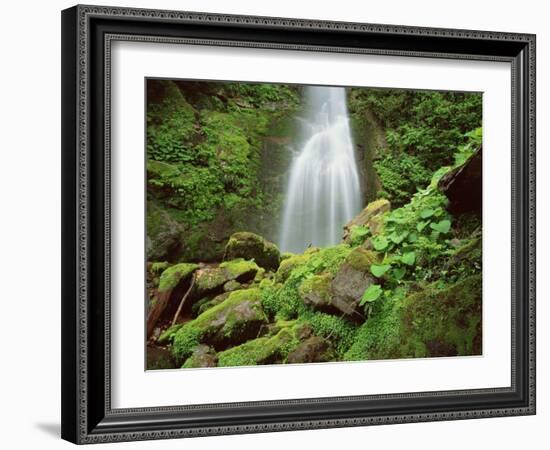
251,246
235,320
313,349
370,217
202,356
264,350
206,303
240,269
316,292
212,279
172,276
288,265
429,323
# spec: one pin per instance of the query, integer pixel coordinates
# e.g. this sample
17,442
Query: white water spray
323,192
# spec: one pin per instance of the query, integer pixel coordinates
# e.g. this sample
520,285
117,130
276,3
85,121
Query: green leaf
413,237
442,227
372,293
408,258
425,213
379,270
421,225
398,273
380,243
397,238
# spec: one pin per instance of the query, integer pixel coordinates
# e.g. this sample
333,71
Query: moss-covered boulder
313,349
251,246
173,283
235,320
272,349
352,280
172,276
202,356
429,323
370,217
316,292
340,293
212,279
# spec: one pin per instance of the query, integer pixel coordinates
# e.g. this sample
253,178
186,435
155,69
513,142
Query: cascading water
323,191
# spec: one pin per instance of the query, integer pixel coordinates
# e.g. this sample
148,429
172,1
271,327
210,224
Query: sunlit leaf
379,270
372,293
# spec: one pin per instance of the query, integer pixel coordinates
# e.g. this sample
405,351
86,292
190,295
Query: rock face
370,217
235,320
341,294
251,246
462,186
313,349
165,236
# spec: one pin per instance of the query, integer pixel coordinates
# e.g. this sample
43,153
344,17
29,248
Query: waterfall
323,191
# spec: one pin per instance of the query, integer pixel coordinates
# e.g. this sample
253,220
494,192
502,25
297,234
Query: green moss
288,265
168,335
173,275
158,267
428,323
362,259
338,331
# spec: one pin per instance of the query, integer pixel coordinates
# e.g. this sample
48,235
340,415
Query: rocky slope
403,283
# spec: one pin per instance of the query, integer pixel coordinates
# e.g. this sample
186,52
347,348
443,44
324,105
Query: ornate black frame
87,31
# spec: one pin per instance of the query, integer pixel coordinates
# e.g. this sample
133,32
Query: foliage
424,131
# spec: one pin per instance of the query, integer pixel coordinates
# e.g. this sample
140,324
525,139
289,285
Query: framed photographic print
281,224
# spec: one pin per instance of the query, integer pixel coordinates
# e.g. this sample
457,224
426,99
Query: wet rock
251,246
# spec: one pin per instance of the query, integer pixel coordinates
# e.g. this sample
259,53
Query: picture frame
87,35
